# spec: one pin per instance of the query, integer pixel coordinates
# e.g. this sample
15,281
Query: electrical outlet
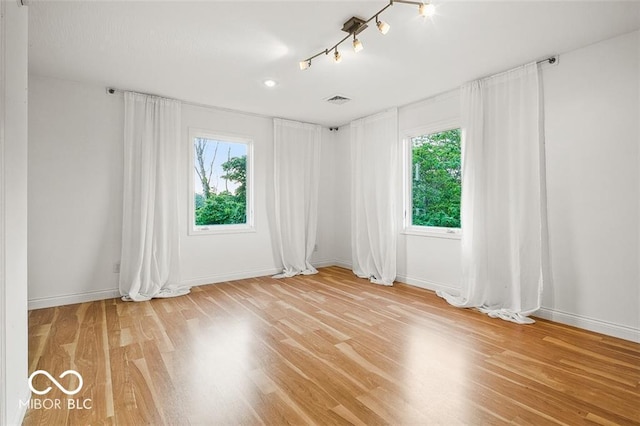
116,268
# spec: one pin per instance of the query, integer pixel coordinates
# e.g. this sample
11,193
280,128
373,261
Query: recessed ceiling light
270,83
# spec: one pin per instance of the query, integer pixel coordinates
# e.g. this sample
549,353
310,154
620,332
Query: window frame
408,228
249,226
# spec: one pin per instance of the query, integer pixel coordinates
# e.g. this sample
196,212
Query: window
433,182
221,189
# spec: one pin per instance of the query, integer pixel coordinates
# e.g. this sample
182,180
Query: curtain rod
551,60
113,90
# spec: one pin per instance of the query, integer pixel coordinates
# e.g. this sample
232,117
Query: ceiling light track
355,26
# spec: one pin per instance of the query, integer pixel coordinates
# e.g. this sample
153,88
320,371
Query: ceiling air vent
337,100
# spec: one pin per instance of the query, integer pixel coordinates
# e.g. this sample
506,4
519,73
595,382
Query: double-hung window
433,178
221,183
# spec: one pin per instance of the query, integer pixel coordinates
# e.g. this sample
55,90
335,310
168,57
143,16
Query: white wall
342,197
215,258
13,213
75,191
75,196
592,113
325,241
591,101
427,261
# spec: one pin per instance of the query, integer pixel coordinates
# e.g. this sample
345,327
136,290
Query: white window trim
407,227
194,230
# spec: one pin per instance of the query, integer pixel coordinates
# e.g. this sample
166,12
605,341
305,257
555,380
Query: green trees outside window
436,179
220,182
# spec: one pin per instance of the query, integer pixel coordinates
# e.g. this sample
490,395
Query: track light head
357,44
305,64
383,27
337,57
427,10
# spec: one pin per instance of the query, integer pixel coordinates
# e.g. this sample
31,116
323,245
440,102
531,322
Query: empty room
319,212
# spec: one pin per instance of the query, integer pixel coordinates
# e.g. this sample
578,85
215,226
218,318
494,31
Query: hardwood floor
323,349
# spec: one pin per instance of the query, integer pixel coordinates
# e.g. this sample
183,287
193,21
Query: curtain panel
297,176
374,191
150,241
503,195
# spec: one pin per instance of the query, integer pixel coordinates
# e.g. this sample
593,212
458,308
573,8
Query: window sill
221,229
446,233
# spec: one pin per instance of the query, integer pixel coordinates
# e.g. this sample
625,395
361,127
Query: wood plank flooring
324,349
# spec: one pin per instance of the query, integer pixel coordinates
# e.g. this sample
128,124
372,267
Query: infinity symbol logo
62,388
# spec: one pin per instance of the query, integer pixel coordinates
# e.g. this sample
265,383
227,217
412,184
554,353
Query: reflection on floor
323,349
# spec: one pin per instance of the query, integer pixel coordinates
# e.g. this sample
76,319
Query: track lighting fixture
355,26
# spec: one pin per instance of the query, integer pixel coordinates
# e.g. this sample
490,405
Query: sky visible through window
220,182
225,151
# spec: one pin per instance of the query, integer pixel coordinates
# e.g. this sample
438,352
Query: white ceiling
219,53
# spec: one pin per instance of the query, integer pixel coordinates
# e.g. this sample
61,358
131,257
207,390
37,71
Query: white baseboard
323,263
218,278
416,282
427,285
70,299
341,263
213,279
604,327
598,326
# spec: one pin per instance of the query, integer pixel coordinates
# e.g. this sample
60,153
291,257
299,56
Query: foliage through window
220,182
436,179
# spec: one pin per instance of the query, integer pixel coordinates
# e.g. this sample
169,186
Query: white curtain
374,191
150,241
502,196
297,168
